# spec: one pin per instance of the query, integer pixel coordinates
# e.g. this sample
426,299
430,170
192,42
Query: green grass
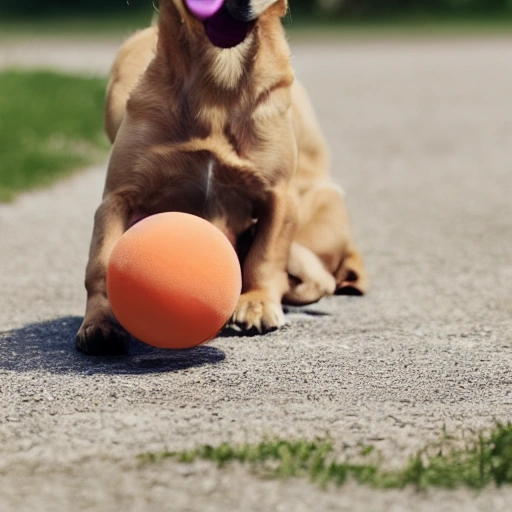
413,27
50,124
487,460
106,25
405,25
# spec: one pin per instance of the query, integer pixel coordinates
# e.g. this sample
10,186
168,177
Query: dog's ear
250,10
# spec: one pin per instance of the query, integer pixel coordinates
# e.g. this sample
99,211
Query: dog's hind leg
308,278
324,229
323,225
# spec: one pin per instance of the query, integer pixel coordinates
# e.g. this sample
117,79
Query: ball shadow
50,346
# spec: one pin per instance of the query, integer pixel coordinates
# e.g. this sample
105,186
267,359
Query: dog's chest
210,196
224,197
232,128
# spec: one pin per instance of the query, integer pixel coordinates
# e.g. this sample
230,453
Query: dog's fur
226,134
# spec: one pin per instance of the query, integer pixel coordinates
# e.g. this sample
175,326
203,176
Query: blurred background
340,9
303,11
55,56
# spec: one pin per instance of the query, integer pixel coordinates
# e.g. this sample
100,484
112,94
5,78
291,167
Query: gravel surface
421,135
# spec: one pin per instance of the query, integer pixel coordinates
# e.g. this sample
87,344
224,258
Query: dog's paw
350,283
257,311
351,276
102,338
308,292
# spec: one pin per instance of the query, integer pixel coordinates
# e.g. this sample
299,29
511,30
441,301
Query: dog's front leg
100,333
264,275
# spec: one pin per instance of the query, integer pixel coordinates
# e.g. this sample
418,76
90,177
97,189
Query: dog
206,118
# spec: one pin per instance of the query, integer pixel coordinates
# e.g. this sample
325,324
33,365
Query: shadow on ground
50,346
292,313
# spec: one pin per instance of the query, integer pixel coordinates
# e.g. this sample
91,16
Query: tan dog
206,118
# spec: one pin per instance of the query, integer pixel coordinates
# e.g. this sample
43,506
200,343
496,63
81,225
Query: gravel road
421,135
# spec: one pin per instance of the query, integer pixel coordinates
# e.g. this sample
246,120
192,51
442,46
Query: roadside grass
486,460
398,28
50,125
109,24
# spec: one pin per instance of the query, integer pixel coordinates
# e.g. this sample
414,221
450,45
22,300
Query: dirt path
421,134
94,56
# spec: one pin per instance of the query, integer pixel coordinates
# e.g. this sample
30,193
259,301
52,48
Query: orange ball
173,280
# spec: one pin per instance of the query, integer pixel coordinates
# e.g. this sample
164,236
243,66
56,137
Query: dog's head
227,23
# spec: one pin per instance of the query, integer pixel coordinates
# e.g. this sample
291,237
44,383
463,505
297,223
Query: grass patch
410,28
484,461
109,24
50,125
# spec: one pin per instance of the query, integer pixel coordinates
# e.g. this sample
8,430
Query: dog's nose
241,10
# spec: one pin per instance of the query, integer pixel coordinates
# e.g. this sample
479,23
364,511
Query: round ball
173,280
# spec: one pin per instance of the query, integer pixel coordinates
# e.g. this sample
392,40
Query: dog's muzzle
227,22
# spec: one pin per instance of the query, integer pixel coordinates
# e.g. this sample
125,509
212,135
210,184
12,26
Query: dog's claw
348,289
106,340
257,312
